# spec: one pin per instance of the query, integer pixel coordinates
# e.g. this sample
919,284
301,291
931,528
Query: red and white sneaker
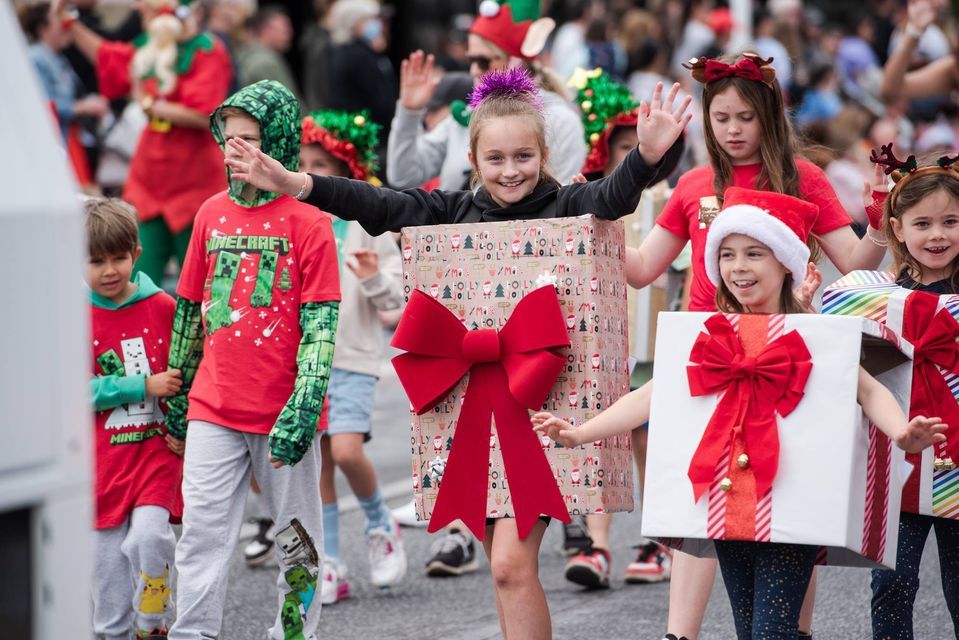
334,586
652,564
590,568
387,556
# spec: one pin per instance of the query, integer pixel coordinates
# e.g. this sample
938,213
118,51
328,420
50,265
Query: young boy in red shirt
138,465
256,319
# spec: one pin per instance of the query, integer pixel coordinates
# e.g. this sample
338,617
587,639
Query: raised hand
660,125
874,194
557,429
921,432
417,81
250,165
363,263
812,282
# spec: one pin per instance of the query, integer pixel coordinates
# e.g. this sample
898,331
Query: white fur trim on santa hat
759,224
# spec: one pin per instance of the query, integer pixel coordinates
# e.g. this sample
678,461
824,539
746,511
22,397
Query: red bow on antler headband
751,67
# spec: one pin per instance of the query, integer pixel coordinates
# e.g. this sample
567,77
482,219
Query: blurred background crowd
346,54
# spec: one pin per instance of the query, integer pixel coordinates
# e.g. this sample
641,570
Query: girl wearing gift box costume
752,250
509,154
179,76
750,145
918,301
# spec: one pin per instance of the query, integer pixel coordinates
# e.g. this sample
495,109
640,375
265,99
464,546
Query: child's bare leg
327,472
689,589
640,437
598,526
515,567
805,615
488,548
347,454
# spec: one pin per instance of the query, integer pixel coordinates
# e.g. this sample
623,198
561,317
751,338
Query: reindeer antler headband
902,171
752,67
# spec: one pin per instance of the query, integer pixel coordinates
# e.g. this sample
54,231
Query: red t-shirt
681,215
134,467
252,268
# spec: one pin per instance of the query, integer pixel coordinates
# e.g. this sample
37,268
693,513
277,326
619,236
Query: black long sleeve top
379,210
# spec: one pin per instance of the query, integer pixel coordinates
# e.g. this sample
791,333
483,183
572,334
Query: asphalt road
463,608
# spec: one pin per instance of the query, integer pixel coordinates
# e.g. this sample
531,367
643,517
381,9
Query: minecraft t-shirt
251,269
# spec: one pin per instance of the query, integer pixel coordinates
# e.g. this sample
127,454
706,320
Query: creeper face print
291,619
135,362
263,292
111,363
219,313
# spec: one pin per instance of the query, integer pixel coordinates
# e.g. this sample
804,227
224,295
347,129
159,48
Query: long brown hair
777,144
906,197
726,302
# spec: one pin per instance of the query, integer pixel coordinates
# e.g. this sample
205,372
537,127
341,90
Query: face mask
372,30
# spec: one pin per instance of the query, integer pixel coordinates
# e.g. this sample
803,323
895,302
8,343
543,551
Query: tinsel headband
515,83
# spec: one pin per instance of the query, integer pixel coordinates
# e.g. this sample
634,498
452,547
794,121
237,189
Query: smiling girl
754,249
508,155
751,145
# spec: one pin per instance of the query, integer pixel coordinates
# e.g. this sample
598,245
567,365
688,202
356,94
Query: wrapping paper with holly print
479,272
875,295
839,479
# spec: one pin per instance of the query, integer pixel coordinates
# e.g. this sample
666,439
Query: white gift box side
819,496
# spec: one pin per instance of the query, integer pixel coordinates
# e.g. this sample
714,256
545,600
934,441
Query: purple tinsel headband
515,82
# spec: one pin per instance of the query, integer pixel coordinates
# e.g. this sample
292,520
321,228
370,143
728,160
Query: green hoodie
107,392
277,111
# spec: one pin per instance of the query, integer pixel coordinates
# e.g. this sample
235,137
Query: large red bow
931,395
746,69
510,371
754,390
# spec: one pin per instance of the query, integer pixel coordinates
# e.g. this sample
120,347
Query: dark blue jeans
766,583
894,592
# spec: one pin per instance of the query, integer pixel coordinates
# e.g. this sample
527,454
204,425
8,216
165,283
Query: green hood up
278,112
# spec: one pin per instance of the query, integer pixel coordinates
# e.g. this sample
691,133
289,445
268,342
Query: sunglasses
483,62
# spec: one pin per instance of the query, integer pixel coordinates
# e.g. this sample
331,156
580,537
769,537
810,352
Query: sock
377,513
331,531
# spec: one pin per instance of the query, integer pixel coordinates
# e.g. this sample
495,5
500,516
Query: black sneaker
576,538
453,555
260,548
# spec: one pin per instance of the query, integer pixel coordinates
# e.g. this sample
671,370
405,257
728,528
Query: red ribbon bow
754,390
745,68
510,371
931,395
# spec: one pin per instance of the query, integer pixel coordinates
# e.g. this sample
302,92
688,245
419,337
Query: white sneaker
387,557
334,586
406,516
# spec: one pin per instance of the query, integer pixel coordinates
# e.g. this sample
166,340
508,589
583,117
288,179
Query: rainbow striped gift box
875,295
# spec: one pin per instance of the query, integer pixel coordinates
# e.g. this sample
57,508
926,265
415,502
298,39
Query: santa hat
780,222
606,105
514,26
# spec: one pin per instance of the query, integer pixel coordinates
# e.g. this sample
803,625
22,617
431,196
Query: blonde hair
905,198
112,227
502,106
158,55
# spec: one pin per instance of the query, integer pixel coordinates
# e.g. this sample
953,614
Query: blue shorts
351,402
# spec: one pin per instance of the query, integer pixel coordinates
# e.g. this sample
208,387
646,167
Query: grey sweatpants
216,478
131,574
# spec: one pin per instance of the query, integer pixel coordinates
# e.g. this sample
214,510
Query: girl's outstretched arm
883,411
626,414
376,209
